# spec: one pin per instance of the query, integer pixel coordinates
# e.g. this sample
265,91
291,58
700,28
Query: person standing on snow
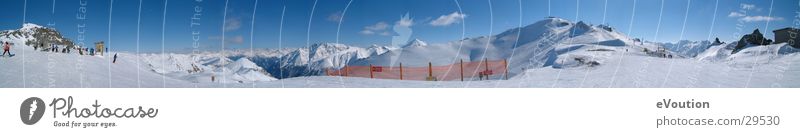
115,58
6,48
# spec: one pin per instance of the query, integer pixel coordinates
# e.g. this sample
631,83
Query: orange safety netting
478,70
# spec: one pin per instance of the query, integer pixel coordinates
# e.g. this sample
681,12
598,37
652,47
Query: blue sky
367,22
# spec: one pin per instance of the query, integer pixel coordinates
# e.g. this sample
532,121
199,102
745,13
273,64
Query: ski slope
550,53
45,69
634,72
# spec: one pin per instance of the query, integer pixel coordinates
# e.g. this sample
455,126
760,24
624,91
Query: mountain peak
30,26
328,45
416,43
582,24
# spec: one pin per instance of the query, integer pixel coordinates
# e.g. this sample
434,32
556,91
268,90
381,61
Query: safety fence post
401,71
462,69
505,69
370,71
430,70
486,72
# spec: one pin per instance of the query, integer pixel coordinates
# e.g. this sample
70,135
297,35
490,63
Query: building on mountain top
788,35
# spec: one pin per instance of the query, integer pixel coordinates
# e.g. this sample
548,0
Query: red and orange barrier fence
477,70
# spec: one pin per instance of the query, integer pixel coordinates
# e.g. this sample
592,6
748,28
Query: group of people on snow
55,48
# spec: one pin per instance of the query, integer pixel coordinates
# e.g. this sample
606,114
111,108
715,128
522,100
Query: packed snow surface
550,53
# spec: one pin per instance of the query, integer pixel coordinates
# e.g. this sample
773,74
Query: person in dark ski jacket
115,58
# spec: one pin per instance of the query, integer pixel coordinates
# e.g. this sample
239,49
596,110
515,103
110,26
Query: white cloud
335,17
382,28
376,28
366,32
760,18
736,14
232,24
747,6
743,17
446,20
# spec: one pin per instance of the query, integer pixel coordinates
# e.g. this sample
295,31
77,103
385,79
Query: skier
115,58
6,48
91,51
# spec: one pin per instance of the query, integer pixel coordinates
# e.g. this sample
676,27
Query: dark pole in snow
430,70
370,71
462,69
401,71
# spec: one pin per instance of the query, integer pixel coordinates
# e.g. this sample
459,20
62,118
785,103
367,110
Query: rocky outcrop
755,38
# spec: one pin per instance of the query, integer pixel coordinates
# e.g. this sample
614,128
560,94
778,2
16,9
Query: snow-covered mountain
33,42
415,43
312,60
688,48
37,36
552,42
588,55
199,68
723,53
